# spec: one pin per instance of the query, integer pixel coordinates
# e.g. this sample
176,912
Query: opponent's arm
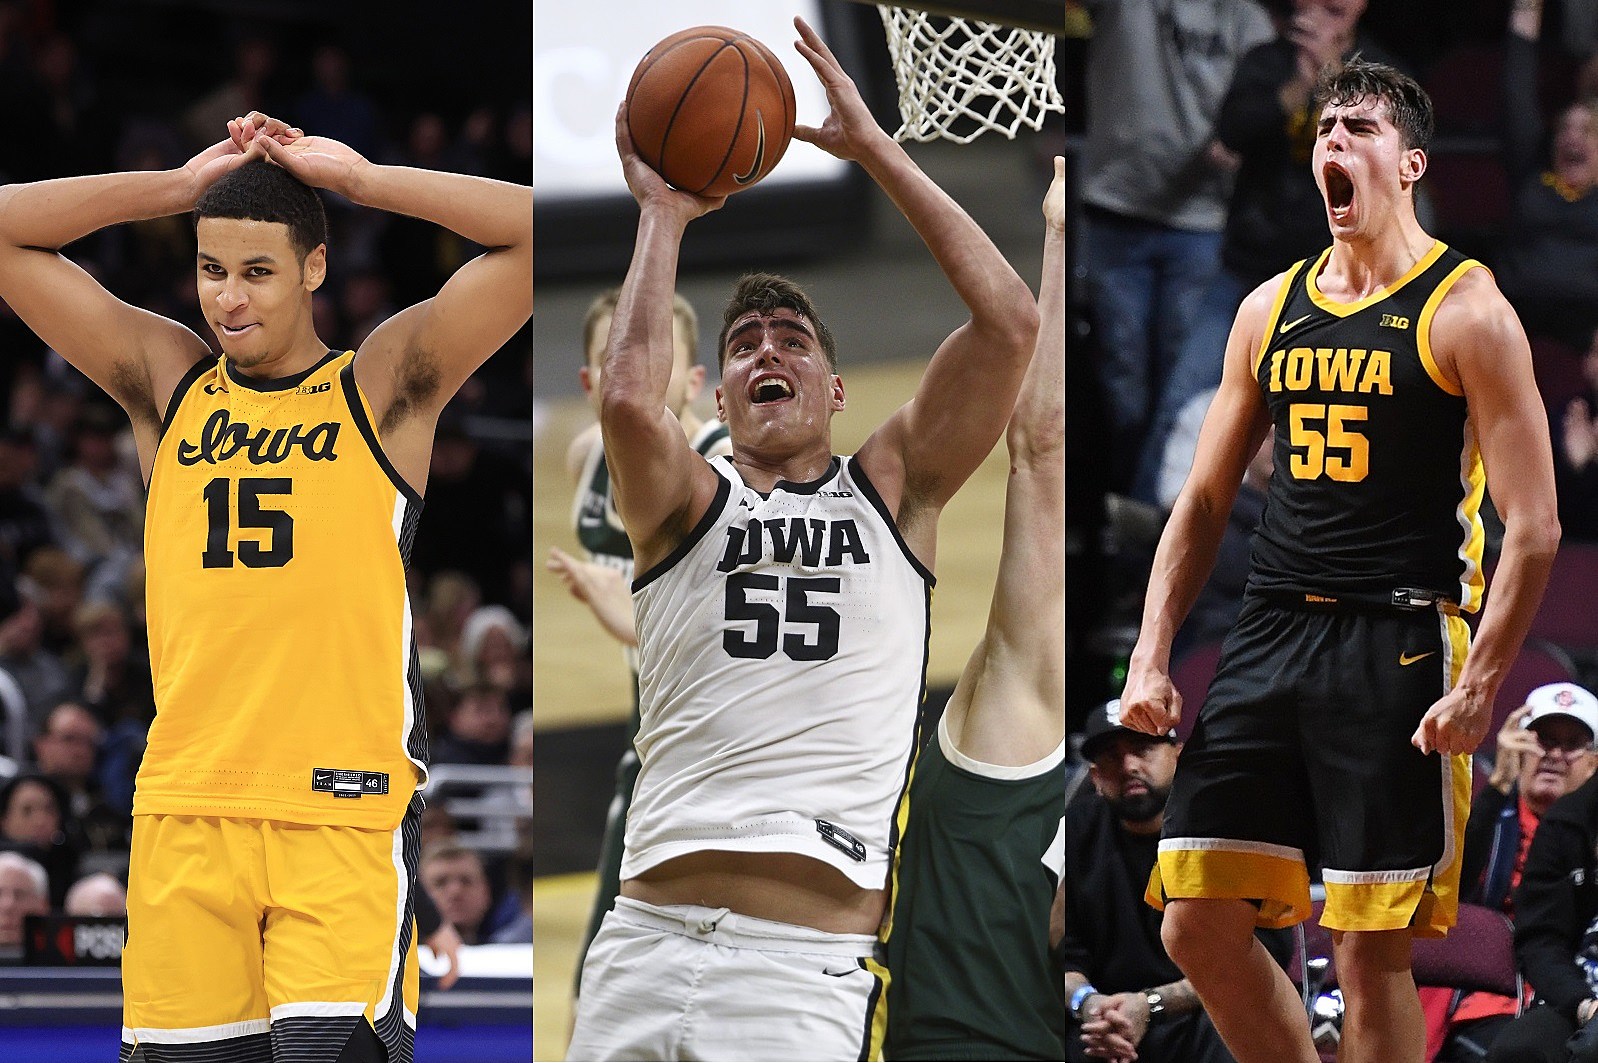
1009,706
926,450
134,355
660,486
1479,344
1237,421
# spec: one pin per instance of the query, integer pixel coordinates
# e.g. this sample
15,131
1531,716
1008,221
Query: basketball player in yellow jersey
1339,726
275,819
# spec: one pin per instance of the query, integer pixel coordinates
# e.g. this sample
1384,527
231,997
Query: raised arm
1480,345
136,356
416,360
660,486
927,449
1237,421
1009,706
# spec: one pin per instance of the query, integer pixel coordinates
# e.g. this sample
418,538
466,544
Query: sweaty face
253,289
1362,166
776,386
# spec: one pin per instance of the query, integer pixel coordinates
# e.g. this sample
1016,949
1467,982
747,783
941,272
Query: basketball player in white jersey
781,599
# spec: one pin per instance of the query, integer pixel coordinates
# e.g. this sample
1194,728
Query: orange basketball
711,110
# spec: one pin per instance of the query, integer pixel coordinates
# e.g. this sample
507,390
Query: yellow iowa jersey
286,679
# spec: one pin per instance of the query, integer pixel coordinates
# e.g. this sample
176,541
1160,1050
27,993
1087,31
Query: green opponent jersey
968,952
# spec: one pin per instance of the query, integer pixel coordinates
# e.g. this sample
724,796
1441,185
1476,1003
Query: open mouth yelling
770,389
1339,192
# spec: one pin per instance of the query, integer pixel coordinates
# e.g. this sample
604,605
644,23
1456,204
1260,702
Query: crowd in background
75,684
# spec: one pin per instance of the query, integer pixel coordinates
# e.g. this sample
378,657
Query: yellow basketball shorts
251,937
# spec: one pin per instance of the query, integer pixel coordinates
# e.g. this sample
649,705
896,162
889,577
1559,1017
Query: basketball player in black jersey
1338,728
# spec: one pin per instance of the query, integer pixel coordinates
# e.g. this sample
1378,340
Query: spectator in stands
55,583
97,501
334,107
1220,600
33,821
475,520
1128,998
1155,206
1264,131
493,648
1575,435
24,517
65,752
24,891
1556,934
245,90
1545,750
478,730
39,674
99,894
451,598
109,673
1548,267
519,930
455,879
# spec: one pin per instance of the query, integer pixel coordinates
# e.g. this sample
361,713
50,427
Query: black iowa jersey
1376,494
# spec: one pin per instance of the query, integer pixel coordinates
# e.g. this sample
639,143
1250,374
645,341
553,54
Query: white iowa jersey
782,652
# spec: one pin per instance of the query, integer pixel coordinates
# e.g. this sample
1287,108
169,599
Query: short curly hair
766,292
1357,80
263,191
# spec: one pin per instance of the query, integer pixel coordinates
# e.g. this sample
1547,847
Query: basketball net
950,69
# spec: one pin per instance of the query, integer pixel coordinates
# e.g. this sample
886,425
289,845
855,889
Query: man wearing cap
1128,998
1545,750
1556,905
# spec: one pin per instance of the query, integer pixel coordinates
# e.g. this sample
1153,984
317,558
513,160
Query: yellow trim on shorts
1428,904
1279,883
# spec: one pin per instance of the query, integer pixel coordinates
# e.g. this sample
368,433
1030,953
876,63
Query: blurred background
99,85
818,221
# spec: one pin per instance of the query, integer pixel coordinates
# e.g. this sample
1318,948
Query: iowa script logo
221,437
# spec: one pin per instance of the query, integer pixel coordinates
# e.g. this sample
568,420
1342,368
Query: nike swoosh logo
839,974
1294,324
1404,658
760,151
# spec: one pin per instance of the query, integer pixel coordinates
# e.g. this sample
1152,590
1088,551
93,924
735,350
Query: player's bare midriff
785,887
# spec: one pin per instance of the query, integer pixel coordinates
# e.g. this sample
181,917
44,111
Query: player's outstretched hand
209,165
648,187
1456,723
602,589
1150,702
320,162
849,129
1054,198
